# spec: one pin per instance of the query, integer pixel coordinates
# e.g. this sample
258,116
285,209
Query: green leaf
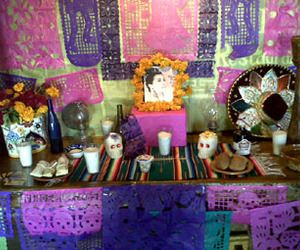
16,17
21,58
32,62
25,4
27,15
55,56
31,9
13,3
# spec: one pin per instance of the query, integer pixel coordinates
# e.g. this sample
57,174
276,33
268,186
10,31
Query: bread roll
238,163
223,160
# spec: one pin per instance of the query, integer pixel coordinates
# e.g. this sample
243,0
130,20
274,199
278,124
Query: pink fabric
282,22
227,77
80,86
66,211
167,26
29,35
150,122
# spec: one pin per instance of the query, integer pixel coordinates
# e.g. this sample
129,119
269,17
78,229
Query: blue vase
54,131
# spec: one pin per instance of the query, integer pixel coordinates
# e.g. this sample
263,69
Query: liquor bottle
241,141
119,119
54,130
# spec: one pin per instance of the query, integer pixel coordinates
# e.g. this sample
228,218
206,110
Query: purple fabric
66,212
81,31
276,227
6,229
217,230
293,68
112,67
154,217
7,81
240,26
241,199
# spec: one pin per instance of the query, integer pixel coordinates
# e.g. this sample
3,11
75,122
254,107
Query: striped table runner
182,164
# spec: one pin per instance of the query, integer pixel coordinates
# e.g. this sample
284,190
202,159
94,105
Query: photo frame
159,84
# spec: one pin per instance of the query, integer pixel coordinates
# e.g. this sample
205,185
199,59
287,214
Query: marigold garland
178,93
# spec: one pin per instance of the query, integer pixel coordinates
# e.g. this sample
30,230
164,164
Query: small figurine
207,144
113,145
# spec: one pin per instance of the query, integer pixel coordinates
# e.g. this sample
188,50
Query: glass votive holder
107,125
145,162
25,152
91,153
164,135
279,138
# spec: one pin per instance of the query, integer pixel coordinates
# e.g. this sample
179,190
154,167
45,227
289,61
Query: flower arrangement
158,60
20,106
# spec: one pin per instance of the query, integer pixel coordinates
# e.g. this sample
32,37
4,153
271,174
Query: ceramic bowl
74,151
291,154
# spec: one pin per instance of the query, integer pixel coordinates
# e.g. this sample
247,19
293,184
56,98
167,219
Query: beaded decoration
79,86
217,230
6,229
276,227
240,26
7,81
66,212
81,28
241,199
154,217
31,36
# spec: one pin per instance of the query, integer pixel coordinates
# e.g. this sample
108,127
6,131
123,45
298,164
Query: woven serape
183,163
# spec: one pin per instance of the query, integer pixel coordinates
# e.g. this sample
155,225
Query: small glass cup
279,138
91,155
164,135
145,162
24,149
107,125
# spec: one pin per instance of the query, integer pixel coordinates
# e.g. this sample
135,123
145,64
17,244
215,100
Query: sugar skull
113,145
207,144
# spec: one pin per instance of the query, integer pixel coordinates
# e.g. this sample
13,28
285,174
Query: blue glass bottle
54,131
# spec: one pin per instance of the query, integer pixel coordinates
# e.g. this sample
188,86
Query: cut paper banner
79,86
81,28
154,217
113,67
227,77
240,26
217,230
31,37
168,26
54,240
243,199
7,81
65,212
6,229
276,227
282,22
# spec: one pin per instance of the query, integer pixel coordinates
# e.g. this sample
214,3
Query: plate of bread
231,164
56,169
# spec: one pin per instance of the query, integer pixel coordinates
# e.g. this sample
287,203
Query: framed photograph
158,82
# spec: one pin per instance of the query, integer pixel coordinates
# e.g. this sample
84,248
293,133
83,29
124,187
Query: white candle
107,126
25,153
91,156
164,142
279,141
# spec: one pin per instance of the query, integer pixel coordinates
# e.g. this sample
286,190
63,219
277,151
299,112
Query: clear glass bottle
54,130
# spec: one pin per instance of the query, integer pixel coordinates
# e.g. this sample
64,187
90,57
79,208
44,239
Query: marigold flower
16,95
18,87
9,91
4,102
52,91
27,114
19,106
43,109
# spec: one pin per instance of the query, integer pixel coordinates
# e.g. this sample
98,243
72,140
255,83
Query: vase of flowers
22,116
